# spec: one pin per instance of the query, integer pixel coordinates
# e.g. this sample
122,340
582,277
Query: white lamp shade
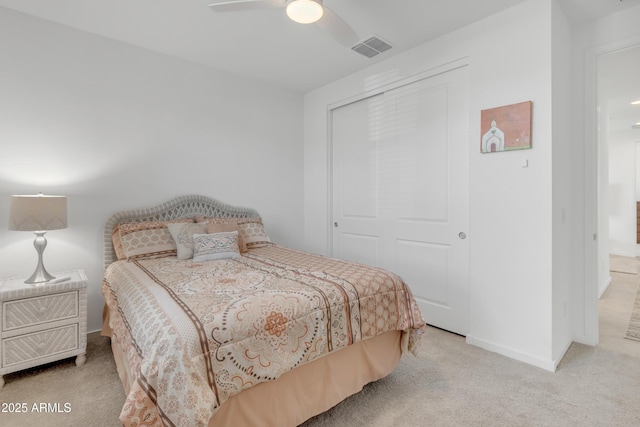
37,213
305,11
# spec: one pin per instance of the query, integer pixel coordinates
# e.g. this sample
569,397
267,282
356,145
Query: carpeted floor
449,384
93,391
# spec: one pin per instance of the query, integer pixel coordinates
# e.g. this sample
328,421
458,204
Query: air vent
371,47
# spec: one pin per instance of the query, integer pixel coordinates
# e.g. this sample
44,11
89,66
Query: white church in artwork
493,140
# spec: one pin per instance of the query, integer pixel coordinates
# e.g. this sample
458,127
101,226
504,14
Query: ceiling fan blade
337,28
232,5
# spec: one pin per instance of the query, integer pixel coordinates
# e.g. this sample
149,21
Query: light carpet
633,330
450,383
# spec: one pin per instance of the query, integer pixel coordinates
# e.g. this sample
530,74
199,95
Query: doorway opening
619,267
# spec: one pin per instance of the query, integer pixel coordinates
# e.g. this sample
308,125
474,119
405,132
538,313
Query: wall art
506,128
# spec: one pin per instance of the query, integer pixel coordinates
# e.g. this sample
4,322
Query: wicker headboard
180,207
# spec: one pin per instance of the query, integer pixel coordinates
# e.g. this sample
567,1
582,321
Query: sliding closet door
357,169
400,190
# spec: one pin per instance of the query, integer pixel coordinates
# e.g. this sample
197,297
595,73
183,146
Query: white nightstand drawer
42,323
25,348
37,310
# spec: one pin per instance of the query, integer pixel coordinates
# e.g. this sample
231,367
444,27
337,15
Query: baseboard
604,287
623,253
582,339
547,365
558,359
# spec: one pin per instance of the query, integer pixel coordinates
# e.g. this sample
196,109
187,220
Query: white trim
623,253
604,287
547,365
592,224
591,198
636,170
329,192
558,359
377,90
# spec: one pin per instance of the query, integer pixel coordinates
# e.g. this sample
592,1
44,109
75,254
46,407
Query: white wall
637,174
510,230
116,127
590,177
618,84
622,202
563,210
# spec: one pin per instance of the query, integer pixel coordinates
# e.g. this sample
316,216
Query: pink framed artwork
506,128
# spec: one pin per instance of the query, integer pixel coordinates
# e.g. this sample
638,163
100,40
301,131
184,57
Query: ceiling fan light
305,11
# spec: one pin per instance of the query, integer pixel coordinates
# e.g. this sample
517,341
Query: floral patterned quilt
197,333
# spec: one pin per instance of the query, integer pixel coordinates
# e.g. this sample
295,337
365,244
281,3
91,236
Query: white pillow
208,247
182,234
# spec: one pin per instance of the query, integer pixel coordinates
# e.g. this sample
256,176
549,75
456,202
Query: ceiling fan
301,11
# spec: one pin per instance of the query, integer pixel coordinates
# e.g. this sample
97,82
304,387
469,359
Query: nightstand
42,323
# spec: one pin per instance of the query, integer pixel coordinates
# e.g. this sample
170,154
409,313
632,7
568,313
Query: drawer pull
41,312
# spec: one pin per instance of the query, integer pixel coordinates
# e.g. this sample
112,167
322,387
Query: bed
226,328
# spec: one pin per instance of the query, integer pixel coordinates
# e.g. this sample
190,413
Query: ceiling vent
371,47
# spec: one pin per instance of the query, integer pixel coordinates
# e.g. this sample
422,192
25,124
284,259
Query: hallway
616,304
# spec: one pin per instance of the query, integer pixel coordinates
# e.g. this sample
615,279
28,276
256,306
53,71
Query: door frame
370,92
594,214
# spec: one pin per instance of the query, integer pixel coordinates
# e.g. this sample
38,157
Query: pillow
251,230
117,243
182,234
202,218
208,247
150,239
253,233
214,227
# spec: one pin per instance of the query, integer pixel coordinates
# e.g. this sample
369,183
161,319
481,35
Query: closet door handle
462,235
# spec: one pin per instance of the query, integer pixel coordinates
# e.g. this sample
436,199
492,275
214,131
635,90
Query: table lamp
38,213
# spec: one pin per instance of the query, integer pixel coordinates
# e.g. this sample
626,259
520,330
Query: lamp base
41,274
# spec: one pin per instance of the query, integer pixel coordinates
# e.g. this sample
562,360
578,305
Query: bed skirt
302,393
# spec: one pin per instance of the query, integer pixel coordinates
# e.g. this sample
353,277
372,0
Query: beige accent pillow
215,227
202,218
182,234
117,243
253,233
251,230
150,239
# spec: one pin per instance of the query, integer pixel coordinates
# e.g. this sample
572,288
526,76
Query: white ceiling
265,45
